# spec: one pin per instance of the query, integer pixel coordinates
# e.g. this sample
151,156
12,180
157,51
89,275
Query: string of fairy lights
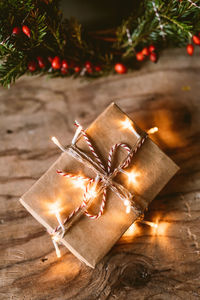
90,185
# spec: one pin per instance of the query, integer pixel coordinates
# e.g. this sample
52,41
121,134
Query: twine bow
104,176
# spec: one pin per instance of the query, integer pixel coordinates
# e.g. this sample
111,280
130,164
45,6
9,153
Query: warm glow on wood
152,224
152,130
162,228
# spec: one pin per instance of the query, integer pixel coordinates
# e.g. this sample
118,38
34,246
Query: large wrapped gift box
86,238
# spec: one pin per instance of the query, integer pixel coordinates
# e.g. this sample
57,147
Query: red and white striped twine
113,150
72,176
90,146
91,181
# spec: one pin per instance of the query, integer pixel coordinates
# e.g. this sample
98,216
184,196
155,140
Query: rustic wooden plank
144,264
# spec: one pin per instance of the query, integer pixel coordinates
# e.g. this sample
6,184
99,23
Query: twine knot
104,177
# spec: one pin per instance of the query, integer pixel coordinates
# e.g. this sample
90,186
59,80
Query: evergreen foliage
52,35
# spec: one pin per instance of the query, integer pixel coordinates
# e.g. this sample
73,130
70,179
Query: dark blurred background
96,15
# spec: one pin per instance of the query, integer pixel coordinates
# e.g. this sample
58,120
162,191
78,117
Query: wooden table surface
145,263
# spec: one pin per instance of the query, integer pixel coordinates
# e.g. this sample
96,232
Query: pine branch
167,23
11,69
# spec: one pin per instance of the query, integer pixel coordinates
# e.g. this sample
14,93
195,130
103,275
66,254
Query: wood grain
144,264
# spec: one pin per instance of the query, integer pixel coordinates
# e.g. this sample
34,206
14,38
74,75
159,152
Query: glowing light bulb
58,253
128,209
54,140
152,130
126,202
55,209
128,206
127,124
152,224
79,183
57,143
91,193
56,238
78,131
132,176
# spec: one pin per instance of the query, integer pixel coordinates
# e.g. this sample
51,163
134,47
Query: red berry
16,30
145,51
64,71
120,68
77,69
190,49
65,64
89,70
152,48
97,68
41,62
26,30
56,63
196,39
153,57
139,56
88,65
32,66
50,59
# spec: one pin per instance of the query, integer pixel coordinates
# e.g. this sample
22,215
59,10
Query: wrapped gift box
86,238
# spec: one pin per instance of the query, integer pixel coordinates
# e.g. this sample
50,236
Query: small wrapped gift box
105,187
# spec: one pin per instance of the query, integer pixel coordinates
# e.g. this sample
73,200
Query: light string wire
129,36
193,3
159,20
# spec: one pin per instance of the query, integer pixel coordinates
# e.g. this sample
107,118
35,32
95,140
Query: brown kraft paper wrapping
89,239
